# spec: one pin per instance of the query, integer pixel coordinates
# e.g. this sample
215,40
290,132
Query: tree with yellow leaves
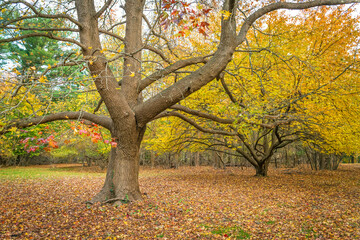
275,89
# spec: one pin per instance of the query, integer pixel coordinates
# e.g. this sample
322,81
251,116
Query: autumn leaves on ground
185,203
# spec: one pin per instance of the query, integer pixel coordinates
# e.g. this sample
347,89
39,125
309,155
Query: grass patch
68,170
231,231
42,172
270,222
309,232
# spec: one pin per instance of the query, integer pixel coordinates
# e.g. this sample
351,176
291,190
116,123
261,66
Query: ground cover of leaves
187,203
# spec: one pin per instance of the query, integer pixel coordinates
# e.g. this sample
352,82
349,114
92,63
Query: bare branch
103,121
103,9
248,147
194,124
158,52
45,29
115,25
202,114
228,92
151,48
246,156
39,14
111,34
98,105
48,35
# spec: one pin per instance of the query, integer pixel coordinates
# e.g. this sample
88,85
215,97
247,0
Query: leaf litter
187,203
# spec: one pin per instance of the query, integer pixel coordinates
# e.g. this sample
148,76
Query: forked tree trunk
262,168
121,182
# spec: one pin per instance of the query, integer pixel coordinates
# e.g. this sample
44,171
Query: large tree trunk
121,182
122,177
262,168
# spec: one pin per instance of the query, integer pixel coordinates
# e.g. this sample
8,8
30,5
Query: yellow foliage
295,70
42,79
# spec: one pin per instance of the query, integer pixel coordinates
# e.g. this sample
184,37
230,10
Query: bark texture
262,169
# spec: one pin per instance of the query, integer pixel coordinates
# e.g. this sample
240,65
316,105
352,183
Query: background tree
277,87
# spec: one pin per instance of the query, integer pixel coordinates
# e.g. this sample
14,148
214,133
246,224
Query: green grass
270,222
42,172
46,171
235,232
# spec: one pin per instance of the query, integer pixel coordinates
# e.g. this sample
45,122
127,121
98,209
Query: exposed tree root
121,200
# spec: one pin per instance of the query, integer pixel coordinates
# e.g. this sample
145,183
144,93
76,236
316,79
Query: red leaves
202,31
32,149
95,137
53,144
113,144
182,33
93,131
204,25
166,5
206,11
175,12
34,144
184,16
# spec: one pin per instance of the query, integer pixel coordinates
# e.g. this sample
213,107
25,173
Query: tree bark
122,177
152,158
197,159
121,182
262,168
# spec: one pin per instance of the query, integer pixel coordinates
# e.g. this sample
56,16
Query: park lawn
185,203
47,171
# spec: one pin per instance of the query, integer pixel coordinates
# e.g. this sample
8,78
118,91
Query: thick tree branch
228,92
202,114
247,157
146,111
158,52
168,70
248,147
194,124
103,121
48,35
